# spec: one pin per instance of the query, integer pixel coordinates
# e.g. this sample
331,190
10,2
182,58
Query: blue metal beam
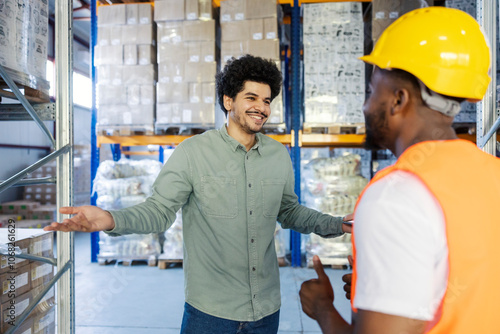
94,150
296,119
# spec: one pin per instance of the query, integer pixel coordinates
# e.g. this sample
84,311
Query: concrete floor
117,299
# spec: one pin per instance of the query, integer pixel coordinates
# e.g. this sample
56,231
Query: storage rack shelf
294,142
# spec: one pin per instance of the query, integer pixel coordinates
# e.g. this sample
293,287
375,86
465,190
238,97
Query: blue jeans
197,322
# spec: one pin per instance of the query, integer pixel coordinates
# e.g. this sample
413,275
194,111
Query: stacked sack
119,185
332,186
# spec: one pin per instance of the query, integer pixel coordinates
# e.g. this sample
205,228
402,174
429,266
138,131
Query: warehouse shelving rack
63,154
294,138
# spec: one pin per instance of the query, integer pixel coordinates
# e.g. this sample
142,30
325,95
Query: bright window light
82,90
82,86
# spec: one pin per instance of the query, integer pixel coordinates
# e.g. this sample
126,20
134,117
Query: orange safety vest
466,182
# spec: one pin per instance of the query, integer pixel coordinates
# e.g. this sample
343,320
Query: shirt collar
235,144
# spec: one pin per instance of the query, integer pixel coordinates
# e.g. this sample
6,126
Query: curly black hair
231,80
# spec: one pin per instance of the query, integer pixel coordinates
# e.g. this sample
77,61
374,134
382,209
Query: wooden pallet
278,128
120,130
32,95
334,129
186,130
168,263
106,260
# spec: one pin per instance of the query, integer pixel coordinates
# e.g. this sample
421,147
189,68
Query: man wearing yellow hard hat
425,239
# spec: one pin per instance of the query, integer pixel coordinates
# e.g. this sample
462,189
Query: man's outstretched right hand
86,218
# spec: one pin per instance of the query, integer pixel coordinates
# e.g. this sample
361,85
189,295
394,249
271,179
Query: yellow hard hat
443,47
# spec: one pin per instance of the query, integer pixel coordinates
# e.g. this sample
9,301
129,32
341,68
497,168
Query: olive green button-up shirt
230,201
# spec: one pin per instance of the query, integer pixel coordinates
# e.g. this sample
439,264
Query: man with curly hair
232,184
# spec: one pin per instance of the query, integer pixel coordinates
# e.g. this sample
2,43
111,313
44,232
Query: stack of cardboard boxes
186,64
24,35
334,78
125,58
251,27
23,280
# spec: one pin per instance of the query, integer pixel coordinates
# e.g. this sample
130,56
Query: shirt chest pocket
219,196
272,192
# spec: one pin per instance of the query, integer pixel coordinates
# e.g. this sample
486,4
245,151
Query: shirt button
250,212
250,185
247,157
252,241
253,268
254,296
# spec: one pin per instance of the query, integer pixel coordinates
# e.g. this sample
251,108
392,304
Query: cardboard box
270,28
40,273
257,9
268,48
208,51
133,95
145,14
195,93
148,94
132,13
112,15
185,113
232,10
208,93
146,54
45,323
171,72
199,30
108,55
192,10
169,10
172,92
45,212
385,12
4,219
139,75
172,53
130,54
15,283
7,263
200,72
170,32
11,310
19,208
205,9
235,30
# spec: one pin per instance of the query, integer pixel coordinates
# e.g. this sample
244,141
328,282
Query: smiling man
232,184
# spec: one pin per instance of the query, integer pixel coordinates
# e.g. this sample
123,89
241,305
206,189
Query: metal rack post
296,120
486,109
64,128
94,153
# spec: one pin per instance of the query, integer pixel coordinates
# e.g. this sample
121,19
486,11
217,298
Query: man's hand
316,295
347,228
86,219
347,279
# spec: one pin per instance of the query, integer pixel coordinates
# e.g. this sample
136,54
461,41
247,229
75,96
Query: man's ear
228,103
401,100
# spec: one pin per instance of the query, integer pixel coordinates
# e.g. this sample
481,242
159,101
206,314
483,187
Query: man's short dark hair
231,80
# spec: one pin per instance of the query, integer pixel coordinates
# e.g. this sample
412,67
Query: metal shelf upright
63,154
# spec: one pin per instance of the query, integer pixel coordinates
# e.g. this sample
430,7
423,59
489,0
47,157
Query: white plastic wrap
332,185
280,241
119,185
172,246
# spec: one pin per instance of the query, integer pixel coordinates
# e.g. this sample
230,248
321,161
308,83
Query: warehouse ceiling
81,19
